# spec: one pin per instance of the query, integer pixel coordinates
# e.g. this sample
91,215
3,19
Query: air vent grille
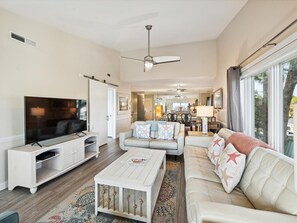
22,39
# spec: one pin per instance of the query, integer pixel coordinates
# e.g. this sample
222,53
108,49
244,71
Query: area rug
79,207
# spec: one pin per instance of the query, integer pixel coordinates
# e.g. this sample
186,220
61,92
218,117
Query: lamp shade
204,111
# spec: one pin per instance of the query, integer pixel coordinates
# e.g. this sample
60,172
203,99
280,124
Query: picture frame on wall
218,99
123,103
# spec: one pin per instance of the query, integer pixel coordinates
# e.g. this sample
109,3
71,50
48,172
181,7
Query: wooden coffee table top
123,173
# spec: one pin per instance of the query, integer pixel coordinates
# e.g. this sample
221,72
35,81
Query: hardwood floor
33,207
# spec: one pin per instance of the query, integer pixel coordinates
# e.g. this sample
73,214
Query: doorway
111,112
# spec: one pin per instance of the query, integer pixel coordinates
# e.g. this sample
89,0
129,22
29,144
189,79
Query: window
289,77
261,106
180,106
269,90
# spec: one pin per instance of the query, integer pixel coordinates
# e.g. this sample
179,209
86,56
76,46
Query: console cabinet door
79,148
68,154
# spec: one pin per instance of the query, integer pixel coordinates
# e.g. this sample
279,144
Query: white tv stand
70,151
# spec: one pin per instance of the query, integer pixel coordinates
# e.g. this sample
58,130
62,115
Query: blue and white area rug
79,207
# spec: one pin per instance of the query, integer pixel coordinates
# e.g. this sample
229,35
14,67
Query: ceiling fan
149,61
179,89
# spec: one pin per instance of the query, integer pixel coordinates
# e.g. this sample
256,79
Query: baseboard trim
3,185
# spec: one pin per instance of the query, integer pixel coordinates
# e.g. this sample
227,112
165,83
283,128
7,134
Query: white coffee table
128,189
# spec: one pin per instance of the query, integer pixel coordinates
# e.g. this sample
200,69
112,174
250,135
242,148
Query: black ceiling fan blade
130,58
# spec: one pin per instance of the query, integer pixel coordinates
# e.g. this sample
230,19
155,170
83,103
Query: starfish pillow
230,167
215,148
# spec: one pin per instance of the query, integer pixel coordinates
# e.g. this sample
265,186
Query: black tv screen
47,118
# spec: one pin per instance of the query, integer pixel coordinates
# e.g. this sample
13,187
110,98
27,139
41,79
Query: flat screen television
47,118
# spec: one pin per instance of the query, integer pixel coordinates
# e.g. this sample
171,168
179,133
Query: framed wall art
218,99
123,103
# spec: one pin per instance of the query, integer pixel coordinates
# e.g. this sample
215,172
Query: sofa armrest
180,143
200,141
123,136
217,212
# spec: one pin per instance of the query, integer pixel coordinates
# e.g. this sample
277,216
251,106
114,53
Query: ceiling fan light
148,65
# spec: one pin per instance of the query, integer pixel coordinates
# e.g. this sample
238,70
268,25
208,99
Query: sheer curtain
233,103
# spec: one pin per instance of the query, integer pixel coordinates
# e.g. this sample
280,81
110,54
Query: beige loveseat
265,193
172,147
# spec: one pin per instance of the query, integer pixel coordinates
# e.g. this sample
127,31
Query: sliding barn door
98,101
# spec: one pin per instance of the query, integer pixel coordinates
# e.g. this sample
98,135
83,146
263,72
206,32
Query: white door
111,112
98,110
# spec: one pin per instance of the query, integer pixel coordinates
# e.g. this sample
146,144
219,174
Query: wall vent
22,39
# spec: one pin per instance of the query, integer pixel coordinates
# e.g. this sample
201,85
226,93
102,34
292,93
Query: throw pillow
142,131
230,167
244,143
215,148
165,131
134,126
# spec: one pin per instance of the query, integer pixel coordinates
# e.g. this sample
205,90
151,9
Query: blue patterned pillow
143,131
165,131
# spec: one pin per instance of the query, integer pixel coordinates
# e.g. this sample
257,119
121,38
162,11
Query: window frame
271,60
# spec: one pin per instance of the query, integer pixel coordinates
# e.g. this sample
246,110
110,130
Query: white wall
198,59
253,26
123,119
51,69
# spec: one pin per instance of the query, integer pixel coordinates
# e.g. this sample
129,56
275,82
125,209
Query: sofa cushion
137,142
244,143
197,164
154,127
229,167
164,144
143,131
176,128
203,190
268,181
154,124
215,148
134,124
165,131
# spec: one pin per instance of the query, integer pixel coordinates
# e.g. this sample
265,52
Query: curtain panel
233,102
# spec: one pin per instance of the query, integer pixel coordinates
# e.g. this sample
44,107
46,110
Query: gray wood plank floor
33,207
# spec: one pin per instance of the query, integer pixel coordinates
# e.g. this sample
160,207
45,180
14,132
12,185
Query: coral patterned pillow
142,131
230,167
215,148
165,131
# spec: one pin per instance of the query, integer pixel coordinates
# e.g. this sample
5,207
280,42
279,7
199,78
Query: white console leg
33,190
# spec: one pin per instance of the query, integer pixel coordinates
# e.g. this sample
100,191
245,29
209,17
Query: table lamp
204,112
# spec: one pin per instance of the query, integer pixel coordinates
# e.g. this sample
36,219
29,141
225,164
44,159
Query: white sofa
265,193
172,147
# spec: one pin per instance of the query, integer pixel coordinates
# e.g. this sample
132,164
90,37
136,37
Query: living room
63,45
